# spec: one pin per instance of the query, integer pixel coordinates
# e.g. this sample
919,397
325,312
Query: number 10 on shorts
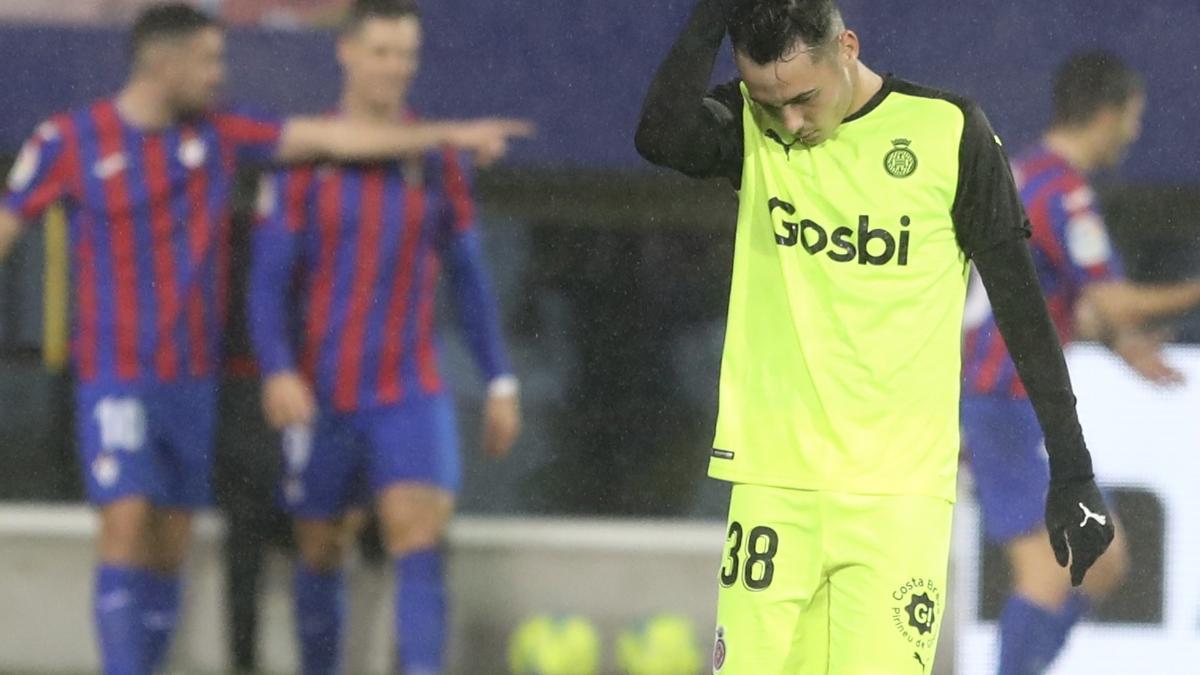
749,558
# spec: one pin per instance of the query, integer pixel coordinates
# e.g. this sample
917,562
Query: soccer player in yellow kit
863,201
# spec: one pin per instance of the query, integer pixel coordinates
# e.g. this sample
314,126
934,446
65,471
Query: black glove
1080,525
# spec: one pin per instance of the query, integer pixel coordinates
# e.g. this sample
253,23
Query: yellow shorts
830,583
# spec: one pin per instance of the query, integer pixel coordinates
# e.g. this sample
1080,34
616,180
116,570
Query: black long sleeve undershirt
678,128
1019,308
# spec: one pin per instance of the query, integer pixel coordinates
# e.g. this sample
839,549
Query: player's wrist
1071,467
503,386
1057,482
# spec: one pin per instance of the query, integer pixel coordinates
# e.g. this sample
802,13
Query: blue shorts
153,440
1006,450
348,458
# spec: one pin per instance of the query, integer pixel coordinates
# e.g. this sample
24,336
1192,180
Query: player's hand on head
287,400
488,139
501,421
1080,525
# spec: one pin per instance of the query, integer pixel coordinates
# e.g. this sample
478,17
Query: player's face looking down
380,59
808,90
191,69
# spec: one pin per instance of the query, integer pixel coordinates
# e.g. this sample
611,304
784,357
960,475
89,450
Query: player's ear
150,57
1107,118
848,45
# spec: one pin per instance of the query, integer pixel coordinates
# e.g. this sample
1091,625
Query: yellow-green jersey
841,363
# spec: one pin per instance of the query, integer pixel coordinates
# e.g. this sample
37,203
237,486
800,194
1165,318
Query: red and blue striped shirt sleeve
1082,237
462,253
254,136
283,197
44,171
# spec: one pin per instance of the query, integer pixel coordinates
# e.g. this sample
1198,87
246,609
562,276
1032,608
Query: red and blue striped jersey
366,243
149,220
1070,247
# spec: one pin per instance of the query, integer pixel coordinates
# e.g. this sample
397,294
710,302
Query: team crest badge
106,470
719,649
900,161
192,153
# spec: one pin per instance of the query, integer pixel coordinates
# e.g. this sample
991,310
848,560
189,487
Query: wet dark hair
1089,82
167,21
767,30
363,10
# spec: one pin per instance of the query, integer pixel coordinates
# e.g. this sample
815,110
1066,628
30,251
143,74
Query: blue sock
421,611
160,612
320,607
118,620
1076,606
1028,637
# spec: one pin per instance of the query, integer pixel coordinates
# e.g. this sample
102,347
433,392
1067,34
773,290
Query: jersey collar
874,101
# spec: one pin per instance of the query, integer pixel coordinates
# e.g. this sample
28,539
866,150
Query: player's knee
322,556
414,520
320,548
125,532
167,560
416,532
170,537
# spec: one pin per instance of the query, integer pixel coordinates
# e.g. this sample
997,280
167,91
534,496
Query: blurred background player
145,177
1098,106
859,197
363,408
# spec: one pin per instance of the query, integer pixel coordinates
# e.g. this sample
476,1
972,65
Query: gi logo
920,613
915,610
719,649
900,162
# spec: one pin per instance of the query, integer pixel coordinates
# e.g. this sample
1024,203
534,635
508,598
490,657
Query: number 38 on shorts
750,558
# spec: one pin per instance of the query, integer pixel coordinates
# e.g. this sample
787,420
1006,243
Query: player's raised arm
681,127
992,228
1092,264
1121,304
309,138
42,174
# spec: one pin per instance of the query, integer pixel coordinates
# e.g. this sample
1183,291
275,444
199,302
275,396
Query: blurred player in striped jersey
365,415
1098,104
145,177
